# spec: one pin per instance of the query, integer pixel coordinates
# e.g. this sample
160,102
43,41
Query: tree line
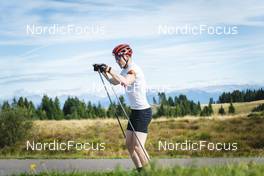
179,106
241,96
73,108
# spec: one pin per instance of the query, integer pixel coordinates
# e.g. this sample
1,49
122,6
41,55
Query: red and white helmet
122,49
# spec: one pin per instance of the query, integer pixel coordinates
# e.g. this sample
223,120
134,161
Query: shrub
231,109
221,110
14,126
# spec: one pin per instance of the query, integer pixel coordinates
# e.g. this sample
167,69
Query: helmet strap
126,60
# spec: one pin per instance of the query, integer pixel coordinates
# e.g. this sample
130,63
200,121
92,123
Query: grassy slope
247,132
241,108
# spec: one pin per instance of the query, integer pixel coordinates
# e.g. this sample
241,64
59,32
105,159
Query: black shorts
140,120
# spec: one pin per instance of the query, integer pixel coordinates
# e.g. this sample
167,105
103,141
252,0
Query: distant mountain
196,94
192,94
232,87
36,98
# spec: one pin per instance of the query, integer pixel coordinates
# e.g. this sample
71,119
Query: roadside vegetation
242,169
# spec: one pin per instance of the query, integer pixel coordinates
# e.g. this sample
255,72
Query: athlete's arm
111,80
123,80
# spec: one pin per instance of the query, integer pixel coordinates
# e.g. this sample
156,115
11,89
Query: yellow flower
33,167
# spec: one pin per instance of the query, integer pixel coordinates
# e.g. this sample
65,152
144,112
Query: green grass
242,169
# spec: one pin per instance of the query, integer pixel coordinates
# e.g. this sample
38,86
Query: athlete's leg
138,148
131,143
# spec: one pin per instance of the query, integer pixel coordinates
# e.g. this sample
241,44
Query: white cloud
123,20
179,61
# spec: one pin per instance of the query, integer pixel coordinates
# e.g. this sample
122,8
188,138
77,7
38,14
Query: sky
55,63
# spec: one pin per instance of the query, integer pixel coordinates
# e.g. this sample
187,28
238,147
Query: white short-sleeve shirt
136,92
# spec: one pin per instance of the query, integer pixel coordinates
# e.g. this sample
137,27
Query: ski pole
112,103
124,113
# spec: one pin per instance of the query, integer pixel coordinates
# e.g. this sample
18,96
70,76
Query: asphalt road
14,166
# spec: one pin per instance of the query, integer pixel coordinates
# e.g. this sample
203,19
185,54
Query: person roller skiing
133,80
